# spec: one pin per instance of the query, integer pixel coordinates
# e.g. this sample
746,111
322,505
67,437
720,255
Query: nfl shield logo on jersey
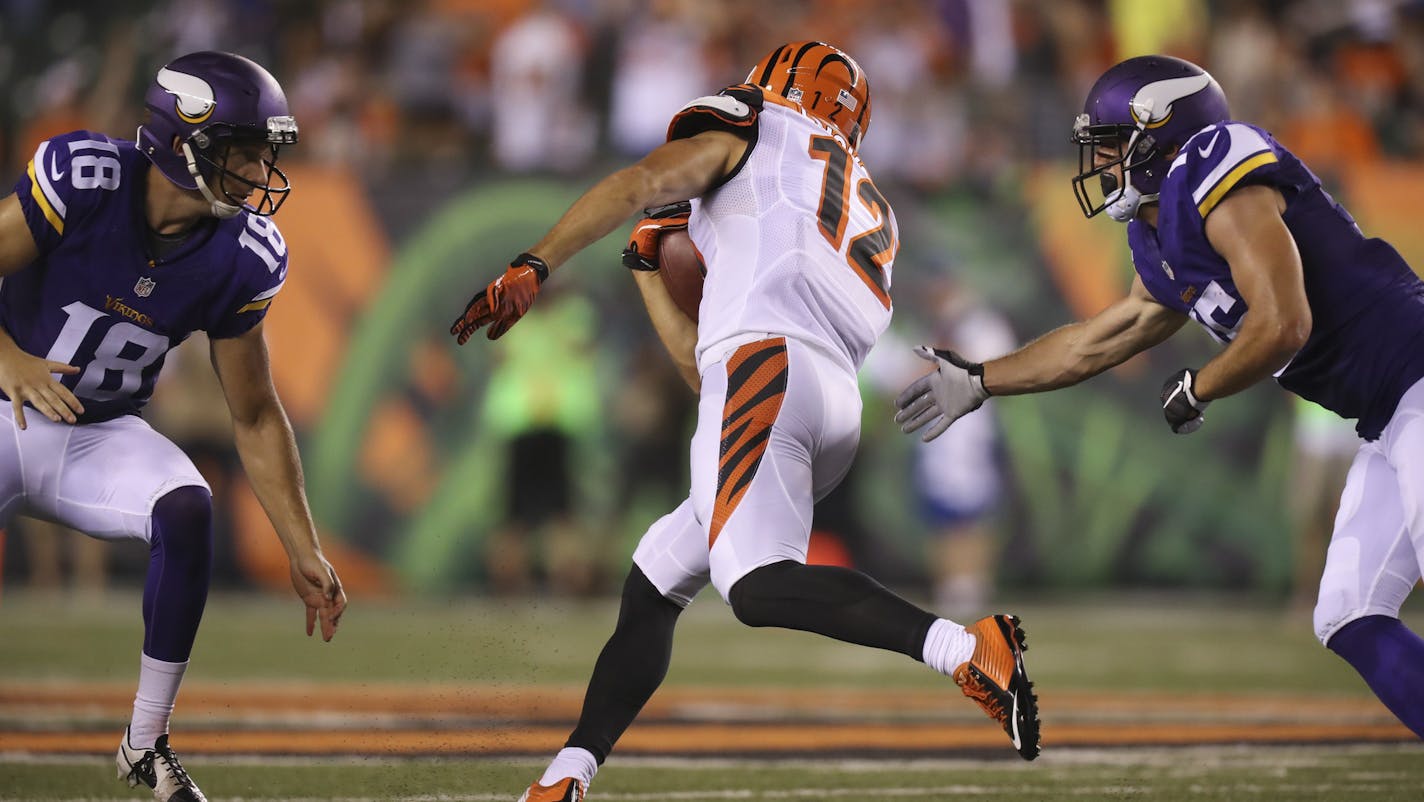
144,286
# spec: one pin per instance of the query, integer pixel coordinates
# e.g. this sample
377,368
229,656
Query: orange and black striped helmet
823,80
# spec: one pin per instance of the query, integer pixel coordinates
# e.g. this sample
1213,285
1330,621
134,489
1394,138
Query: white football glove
953,390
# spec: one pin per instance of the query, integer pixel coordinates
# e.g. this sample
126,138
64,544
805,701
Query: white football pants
1377,550
777,427
100,478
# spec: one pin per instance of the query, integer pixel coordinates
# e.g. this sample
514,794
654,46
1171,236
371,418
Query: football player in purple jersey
112,252
1230,229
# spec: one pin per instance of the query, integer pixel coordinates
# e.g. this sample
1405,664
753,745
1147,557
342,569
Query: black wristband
539,266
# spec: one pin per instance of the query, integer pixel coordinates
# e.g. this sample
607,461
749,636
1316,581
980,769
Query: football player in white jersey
1228,228
112,252
799,246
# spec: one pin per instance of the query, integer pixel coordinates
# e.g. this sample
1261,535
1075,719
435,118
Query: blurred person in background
959,477
542,403
956,480
51,549
539,122
113,252
799,247
653,413
1323,446
1230,229
660,63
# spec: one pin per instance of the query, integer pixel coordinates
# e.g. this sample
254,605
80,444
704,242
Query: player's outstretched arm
1080,351
268,449
676,170
1062,357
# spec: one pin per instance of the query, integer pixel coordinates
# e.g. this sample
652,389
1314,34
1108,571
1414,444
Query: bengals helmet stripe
770,62
796,62
823,81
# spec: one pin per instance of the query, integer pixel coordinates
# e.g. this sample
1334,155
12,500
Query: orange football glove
504,301
642,250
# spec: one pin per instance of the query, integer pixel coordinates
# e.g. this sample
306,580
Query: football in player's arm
1229,228
112,253
676,331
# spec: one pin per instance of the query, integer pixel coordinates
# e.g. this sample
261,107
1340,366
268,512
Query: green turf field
1119,662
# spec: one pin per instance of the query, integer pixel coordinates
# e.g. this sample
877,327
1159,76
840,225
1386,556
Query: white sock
158,683
572,761
947,646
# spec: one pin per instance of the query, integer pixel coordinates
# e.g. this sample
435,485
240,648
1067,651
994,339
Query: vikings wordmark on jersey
103,296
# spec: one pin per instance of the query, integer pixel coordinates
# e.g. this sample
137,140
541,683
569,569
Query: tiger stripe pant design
756,385
778,424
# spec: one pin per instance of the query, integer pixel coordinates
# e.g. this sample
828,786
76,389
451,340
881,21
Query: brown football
682,270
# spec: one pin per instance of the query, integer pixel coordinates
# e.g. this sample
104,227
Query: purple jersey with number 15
1366,344
98,299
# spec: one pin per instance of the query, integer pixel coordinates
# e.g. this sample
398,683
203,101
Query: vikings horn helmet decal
192,96
1151,107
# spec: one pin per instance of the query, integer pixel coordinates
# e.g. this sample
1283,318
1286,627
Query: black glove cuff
539,266
677,209
636,261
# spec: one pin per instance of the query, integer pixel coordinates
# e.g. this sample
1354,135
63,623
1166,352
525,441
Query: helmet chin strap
1122,206
220,209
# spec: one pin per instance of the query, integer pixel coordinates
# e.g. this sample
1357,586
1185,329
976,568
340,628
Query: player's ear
177,145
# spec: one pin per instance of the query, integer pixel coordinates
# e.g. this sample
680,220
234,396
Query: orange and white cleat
995,678
565,790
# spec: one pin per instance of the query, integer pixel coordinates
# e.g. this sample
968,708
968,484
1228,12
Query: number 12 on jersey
869,251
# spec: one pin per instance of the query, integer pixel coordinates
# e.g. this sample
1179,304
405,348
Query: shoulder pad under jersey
1216,160
733,110
68,176
259,271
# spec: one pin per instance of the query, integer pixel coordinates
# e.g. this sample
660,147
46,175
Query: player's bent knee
184,514
642,601
754,597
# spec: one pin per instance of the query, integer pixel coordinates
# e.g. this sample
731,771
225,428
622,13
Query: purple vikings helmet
1145,108
211,102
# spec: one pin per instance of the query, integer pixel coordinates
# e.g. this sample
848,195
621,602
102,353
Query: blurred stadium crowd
963,88
422,100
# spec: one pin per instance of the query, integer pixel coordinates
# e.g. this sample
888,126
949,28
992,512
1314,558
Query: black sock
832,601
630,667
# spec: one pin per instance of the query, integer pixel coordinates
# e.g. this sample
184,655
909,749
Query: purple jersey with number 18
99,298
